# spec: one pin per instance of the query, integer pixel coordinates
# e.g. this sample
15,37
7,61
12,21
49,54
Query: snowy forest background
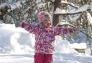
77,13
17,45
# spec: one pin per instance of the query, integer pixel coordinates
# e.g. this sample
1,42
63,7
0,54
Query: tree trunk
56,17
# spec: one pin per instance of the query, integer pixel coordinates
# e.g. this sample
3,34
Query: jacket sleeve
29,27
60,30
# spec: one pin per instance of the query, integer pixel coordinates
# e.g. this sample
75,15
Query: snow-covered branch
77,11
89,18
62,11
3,5
69,3
10,7
74,18
16,5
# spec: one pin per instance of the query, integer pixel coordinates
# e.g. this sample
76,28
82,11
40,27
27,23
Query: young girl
44,35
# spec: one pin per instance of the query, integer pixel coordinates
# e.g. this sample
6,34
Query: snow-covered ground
17,46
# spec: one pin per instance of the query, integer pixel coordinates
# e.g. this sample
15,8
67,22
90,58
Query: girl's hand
23,24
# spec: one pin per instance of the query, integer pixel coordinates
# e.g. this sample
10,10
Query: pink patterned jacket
45,37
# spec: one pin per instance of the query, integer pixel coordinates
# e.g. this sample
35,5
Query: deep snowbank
17,46
15,40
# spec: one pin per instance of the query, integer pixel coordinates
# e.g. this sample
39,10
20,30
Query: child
44,35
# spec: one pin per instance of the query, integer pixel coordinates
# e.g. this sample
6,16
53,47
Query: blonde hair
42,15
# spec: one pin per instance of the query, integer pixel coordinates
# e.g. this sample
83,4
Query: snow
89,18
59,11
72,11
17,46
16,5
80,9
3,5
74,17
64,2
14,40
79,46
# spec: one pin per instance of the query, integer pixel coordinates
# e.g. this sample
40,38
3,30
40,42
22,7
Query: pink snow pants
43,58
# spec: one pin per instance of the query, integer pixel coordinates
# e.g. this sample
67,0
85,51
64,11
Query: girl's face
44,18
46,23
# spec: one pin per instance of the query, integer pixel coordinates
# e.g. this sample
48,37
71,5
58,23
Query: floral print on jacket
45,36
